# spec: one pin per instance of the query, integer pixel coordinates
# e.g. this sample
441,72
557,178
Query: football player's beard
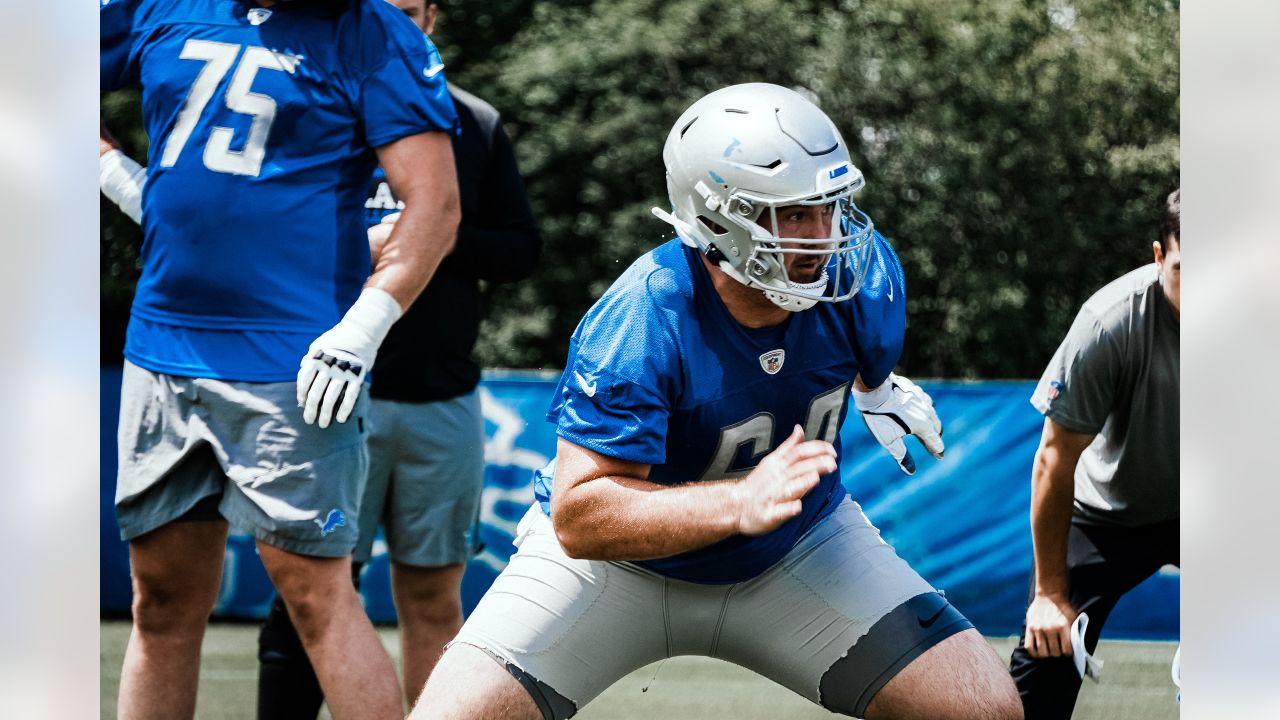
805,275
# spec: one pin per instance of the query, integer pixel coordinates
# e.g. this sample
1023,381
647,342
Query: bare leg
469,684
354,669
177,569
429,607
960,678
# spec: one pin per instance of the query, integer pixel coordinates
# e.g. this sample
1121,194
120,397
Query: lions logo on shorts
335,519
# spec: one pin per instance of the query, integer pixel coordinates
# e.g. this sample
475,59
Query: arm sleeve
880,314
407,94
1079,384
501,243
117,65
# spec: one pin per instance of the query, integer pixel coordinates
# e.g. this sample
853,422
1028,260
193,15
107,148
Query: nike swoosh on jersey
432,71
588,390
890,288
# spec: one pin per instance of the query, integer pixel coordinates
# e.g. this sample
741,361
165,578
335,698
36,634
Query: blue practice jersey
660,373
263,123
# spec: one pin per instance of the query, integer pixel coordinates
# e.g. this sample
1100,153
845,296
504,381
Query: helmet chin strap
794,303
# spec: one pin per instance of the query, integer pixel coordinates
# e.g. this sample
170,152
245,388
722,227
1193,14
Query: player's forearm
106,142
120,178
421,170
423,236
622,518
1052,495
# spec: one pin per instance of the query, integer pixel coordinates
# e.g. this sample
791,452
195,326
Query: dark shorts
426,472
1103,563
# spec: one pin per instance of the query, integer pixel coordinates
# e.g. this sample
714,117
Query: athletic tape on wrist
121,180
374,312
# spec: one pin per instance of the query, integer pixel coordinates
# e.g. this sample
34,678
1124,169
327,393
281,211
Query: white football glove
331,372
896,409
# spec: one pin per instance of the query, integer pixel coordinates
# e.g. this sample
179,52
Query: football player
426,433
256,318
694,504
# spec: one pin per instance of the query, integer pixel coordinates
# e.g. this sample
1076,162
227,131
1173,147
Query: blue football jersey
660,373
263,124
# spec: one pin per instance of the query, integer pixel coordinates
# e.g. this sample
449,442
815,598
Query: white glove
121,180
330,374
896,409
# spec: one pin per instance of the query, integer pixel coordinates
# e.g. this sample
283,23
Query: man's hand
379,234
331,372
1049,621
896,409
770,495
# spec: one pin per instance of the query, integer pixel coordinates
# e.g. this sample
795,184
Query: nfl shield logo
771,362
258,15
1055,387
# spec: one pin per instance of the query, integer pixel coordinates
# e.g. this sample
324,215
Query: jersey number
218,57
819,424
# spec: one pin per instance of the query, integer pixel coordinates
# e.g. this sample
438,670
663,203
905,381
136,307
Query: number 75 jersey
660,373
262,124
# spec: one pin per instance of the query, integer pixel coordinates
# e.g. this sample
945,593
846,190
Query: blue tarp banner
962,522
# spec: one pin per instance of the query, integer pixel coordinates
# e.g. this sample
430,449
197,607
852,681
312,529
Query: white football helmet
749,149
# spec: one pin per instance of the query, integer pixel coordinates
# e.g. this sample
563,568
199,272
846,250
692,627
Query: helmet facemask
845,250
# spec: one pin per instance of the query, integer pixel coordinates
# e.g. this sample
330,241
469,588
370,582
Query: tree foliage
1015,150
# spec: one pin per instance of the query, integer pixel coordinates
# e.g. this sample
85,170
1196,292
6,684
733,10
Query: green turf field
1136,684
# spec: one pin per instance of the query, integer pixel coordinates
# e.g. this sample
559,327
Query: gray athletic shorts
834,620
290,484
426,471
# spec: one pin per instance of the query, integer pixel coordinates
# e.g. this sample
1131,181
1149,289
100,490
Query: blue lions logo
333,521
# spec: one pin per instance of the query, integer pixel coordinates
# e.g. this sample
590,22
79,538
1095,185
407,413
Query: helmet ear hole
712,226
714,255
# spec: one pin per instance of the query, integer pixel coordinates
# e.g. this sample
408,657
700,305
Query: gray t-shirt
1116,374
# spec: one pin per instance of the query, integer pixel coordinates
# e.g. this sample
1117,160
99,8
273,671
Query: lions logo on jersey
258,15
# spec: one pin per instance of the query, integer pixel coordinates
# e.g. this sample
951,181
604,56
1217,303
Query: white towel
1086,664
